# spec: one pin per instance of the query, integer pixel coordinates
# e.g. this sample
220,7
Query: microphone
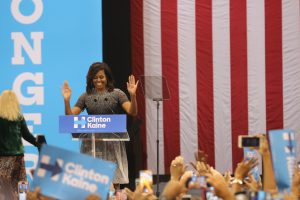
95,100
109,107
117,136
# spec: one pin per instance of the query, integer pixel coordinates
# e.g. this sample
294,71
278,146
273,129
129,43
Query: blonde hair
9,106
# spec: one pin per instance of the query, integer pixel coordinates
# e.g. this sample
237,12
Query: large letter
36,118
38,11
31,158
35,53
37,91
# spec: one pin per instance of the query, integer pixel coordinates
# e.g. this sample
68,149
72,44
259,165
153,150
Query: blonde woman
12,129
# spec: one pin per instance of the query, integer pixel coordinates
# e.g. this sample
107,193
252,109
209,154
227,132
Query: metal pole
94,145
157,151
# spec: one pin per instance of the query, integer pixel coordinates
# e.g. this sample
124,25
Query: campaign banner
92,123
44,43
283,150
63,174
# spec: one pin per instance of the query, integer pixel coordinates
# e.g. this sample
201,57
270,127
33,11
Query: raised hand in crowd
227,177
215,179
176,188
243,168
202,168
241,172
251,184
177,168
200,156
138,194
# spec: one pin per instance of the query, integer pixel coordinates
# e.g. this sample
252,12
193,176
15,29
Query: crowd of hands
225,185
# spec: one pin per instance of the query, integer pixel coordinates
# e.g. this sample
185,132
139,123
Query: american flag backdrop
232,67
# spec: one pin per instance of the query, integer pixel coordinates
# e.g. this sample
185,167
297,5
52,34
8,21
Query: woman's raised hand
66,91
132,85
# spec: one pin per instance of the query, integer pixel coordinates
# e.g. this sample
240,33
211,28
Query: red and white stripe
232,68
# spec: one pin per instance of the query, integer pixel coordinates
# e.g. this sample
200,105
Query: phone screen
250,142
146,180
23,186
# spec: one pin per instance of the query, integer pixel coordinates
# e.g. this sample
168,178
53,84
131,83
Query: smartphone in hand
146,180
23,187
248,141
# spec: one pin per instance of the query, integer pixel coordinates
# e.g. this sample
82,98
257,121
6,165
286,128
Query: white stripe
256,66
153,67
291,69
222,90
187,79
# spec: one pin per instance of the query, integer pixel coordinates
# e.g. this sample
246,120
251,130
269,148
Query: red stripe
274,80
239,80
170,72
137,58
204,64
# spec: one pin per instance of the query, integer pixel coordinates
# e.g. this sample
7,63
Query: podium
95,127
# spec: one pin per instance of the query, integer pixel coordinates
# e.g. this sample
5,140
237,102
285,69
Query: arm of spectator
177,168
175,188
227,177
129,193
252,184
289,196
215,179
138,194
202,168
36,194
242,170
93,197
200,156
269,183
295,189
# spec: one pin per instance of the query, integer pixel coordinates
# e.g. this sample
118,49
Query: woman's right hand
66,91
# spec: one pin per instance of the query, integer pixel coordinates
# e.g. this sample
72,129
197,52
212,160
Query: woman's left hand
132,85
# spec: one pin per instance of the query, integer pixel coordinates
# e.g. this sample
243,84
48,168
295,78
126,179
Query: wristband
238,181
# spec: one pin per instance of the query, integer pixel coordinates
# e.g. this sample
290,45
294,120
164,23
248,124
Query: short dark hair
93,70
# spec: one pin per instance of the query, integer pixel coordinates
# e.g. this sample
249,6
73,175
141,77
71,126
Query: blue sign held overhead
283,149
63,174
55,169
92,124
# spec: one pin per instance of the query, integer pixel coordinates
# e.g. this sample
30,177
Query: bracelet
238,181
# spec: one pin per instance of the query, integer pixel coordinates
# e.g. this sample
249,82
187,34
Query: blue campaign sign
92,123
44,43
64,174
283,150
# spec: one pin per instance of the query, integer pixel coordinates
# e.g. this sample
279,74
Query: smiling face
100,81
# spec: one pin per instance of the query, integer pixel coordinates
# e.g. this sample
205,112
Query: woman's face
100,81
